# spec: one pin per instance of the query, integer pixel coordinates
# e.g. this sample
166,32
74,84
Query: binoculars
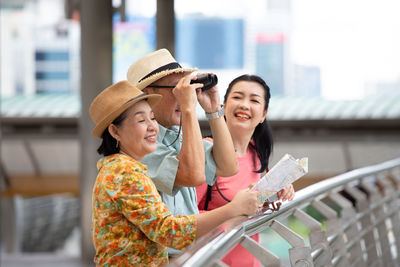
208,80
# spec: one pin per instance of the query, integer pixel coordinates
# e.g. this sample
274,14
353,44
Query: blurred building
307,81
382,88
131,39
209,42
272,47
57,58
270,61
17,50
42,54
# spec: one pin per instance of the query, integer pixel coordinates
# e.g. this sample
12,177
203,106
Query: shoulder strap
208,197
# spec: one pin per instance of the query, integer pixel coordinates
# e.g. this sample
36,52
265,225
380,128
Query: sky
354,42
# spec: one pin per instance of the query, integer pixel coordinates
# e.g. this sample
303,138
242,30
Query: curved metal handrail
216,244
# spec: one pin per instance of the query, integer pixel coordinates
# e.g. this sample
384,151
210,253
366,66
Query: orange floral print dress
131,226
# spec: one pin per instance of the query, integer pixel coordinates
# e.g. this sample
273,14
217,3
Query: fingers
252,204
195,85
251,186
291,193
287,193
185,93
185,83
284,194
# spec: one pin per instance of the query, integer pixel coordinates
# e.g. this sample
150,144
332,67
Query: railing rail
360,225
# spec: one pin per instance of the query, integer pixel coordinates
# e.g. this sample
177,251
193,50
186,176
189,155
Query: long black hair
109,145
262,136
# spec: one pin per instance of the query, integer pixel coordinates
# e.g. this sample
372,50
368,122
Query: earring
117,144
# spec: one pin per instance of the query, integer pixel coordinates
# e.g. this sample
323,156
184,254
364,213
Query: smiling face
167,111
138,132
245,106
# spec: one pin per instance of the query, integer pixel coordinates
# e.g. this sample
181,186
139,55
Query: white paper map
286,171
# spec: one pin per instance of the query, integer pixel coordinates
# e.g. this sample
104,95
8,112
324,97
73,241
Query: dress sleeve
141,204
162,168
201,192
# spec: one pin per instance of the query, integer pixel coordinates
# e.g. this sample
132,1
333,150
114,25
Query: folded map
286,171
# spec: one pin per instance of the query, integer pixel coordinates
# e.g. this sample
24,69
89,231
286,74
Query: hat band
136,97
170,66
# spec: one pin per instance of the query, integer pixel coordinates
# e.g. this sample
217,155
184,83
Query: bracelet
215,115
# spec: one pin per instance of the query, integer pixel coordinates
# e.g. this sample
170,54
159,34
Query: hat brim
101,126
146,82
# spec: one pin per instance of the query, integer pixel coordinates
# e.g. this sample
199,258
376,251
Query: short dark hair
109,144
262,136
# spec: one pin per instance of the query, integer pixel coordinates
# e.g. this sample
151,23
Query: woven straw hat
114,100
152,67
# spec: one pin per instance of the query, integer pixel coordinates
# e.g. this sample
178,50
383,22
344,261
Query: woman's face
138,132
244,106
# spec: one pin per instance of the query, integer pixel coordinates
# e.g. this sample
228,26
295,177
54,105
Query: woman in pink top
246,106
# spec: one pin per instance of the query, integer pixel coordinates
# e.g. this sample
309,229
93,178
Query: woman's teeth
242,116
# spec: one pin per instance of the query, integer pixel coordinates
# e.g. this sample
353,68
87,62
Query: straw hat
114,100
152,67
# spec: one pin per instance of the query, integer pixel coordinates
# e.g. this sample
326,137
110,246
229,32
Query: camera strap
209,194
179,132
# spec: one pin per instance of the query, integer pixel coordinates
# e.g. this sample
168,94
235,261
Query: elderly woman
131,225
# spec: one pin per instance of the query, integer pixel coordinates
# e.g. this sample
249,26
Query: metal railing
360,225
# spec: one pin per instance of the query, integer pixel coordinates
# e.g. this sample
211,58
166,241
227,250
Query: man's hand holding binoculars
208,96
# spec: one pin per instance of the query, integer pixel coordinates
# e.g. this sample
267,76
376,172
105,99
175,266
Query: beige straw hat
152,67
114,100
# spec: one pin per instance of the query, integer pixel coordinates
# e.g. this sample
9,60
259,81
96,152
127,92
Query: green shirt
162,166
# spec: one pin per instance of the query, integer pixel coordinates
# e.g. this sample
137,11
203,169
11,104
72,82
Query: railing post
362,206
264,256
351,233
317,237
299,254
219,263
378,218
390,185
334,227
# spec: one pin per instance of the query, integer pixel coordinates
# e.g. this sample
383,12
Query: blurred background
333,68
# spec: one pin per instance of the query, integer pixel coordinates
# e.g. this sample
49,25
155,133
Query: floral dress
131,226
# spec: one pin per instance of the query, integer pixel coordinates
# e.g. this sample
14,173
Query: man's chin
177,123
177,119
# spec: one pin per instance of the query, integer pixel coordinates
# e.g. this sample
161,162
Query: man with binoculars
182,159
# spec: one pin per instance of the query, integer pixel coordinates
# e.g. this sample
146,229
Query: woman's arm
223,150
244,203
141,204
